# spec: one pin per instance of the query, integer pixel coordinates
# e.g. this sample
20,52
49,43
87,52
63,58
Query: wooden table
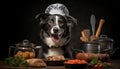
115,63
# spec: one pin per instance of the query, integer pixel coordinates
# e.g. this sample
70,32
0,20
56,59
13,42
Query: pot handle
114,50
39,48
9,53
77,51
105,36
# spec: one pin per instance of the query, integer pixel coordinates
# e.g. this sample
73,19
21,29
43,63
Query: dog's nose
55,30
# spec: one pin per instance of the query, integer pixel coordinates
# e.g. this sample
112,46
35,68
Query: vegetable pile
98,64
16,61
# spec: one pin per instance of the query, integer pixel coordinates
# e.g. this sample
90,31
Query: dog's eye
50,22
61,23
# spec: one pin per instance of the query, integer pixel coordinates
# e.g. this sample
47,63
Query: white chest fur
54,52
50,42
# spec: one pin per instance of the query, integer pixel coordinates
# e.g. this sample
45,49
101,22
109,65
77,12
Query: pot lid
25,43
104,38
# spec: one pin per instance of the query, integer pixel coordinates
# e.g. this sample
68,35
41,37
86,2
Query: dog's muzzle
56,34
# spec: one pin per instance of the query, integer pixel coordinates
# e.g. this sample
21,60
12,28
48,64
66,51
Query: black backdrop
18,21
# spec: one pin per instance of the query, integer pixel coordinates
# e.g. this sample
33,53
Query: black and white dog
55,31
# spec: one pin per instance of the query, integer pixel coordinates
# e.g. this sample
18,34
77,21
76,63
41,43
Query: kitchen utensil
85,35
93,22
99,27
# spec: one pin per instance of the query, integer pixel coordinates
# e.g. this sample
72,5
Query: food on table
31,54
17,62
36,62
90,56
25,54
82,56
98,64
55,58
75,61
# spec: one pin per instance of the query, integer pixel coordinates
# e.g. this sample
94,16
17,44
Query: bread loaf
90,56
36,62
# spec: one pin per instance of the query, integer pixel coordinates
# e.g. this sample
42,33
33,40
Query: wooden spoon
99,27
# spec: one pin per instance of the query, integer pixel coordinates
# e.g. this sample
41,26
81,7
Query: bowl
54,63
75,66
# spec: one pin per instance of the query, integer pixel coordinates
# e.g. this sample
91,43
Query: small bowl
54,63
75,66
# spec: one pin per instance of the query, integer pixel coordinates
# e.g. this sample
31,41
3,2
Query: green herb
18,61
94,61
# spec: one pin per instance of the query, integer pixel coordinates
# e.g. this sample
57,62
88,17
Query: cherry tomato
96,66
101,66
109,64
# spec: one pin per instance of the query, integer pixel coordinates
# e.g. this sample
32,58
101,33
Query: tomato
83,62
96,66
109,64
75,61
101,66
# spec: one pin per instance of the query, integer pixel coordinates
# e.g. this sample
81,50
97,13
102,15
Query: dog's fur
55,32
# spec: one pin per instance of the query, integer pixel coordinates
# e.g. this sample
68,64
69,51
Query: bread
36,62
90,56
55,58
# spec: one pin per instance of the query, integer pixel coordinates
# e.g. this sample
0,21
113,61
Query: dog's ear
71,21
41,17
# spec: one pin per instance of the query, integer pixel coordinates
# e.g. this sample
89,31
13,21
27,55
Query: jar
24,49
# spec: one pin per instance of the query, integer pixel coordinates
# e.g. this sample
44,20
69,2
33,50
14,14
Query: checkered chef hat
57,8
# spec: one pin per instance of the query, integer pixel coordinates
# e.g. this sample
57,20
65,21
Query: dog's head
55,28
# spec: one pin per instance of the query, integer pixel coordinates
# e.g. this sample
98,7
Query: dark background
18,20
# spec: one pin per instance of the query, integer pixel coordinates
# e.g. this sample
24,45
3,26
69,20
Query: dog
55,31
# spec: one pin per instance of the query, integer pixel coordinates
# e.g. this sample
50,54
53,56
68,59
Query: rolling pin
99,27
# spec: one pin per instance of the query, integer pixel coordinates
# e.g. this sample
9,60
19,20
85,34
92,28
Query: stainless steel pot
91,47
106,44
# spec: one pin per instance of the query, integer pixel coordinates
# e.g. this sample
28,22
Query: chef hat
57,8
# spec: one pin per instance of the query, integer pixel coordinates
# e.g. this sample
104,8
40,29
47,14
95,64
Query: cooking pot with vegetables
25,49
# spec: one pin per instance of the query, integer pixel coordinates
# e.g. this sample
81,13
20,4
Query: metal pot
106,44
91,47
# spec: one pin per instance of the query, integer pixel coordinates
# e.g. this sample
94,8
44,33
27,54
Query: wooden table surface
115,64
